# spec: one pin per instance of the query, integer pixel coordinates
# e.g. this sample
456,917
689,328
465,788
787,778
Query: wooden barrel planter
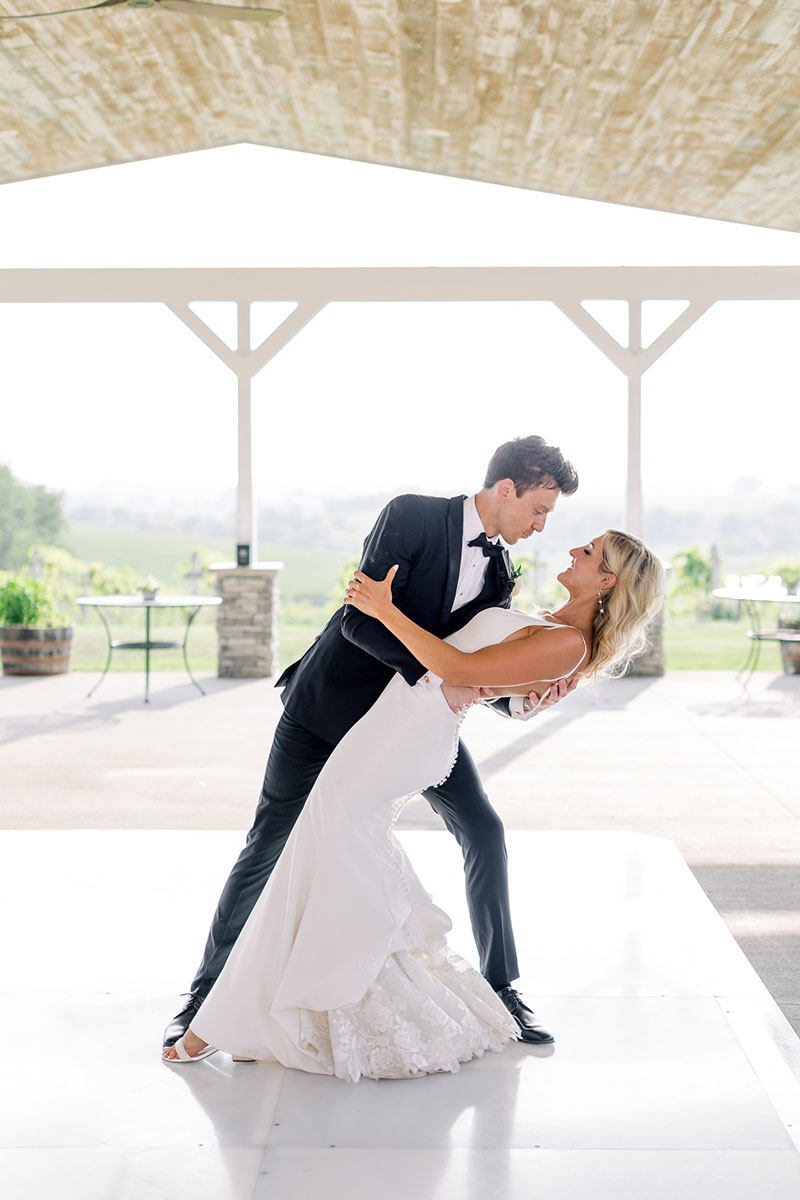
34,650
789,636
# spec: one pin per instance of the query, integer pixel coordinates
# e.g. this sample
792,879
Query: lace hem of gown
426,1012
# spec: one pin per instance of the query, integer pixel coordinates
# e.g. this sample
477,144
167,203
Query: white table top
754,595
157,602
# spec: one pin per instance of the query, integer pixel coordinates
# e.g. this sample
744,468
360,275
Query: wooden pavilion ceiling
687,106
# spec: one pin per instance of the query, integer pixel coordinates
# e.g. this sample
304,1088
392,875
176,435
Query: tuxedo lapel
455,541
498,584
505,571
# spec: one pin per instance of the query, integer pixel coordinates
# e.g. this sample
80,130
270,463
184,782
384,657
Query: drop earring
600,601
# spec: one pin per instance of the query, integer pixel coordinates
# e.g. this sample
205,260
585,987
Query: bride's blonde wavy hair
620,630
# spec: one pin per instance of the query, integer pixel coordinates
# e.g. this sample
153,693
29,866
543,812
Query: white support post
632,361
246,362
246,524
633,502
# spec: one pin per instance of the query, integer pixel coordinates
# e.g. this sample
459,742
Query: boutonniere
518,573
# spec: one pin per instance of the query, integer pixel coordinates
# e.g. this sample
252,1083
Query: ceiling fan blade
199,8
60,12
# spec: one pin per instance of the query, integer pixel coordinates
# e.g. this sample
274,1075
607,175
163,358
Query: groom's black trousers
296,759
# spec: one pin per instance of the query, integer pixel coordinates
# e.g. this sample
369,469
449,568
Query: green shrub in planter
25,602
790,651
31,642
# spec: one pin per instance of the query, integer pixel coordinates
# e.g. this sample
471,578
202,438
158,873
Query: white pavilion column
651,660
633,498
247,619
632,360
246,522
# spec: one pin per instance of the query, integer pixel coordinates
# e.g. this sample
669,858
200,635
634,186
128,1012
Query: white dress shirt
472,571
471,575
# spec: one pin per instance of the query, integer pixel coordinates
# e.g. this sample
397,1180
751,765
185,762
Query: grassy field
307,586
689,645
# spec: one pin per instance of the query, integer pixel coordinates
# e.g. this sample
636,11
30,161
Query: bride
342,967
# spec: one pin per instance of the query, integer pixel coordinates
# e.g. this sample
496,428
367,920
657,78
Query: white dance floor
673,1074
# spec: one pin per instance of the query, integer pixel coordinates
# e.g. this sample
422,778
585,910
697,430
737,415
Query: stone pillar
651,660
247,619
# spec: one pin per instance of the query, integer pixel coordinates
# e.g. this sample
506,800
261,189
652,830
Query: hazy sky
384,397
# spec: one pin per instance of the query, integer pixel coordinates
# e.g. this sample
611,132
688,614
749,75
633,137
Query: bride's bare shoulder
568,636
548,627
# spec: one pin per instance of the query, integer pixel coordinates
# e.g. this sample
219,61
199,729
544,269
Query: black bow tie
490,549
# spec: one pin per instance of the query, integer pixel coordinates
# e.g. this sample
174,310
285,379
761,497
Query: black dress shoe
529,1028
181,1021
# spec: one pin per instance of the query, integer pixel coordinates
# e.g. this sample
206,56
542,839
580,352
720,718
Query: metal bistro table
195,603
751,598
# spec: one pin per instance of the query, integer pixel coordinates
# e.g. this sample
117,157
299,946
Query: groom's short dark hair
530,462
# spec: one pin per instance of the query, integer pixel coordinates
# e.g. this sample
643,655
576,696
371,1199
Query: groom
450,567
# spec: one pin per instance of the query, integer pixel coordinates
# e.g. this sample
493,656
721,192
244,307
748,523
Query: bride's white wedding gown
342,967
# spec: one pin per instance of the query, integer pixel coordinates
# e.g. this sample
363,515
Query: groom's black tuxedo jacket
352,660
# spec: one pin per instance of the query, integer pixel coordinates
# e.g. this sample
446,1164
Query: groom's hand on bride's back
460,698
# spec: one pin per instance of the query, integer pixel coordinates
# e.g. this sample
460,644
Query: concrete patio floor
692,757
673,1072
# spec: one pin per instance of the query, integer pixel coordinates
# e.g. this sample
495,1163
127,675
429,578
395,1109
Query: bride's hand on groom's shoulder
373,597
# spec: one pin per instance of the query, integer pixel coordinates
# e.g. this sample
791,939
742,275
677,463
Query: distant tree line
206,524
330,524
761,529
